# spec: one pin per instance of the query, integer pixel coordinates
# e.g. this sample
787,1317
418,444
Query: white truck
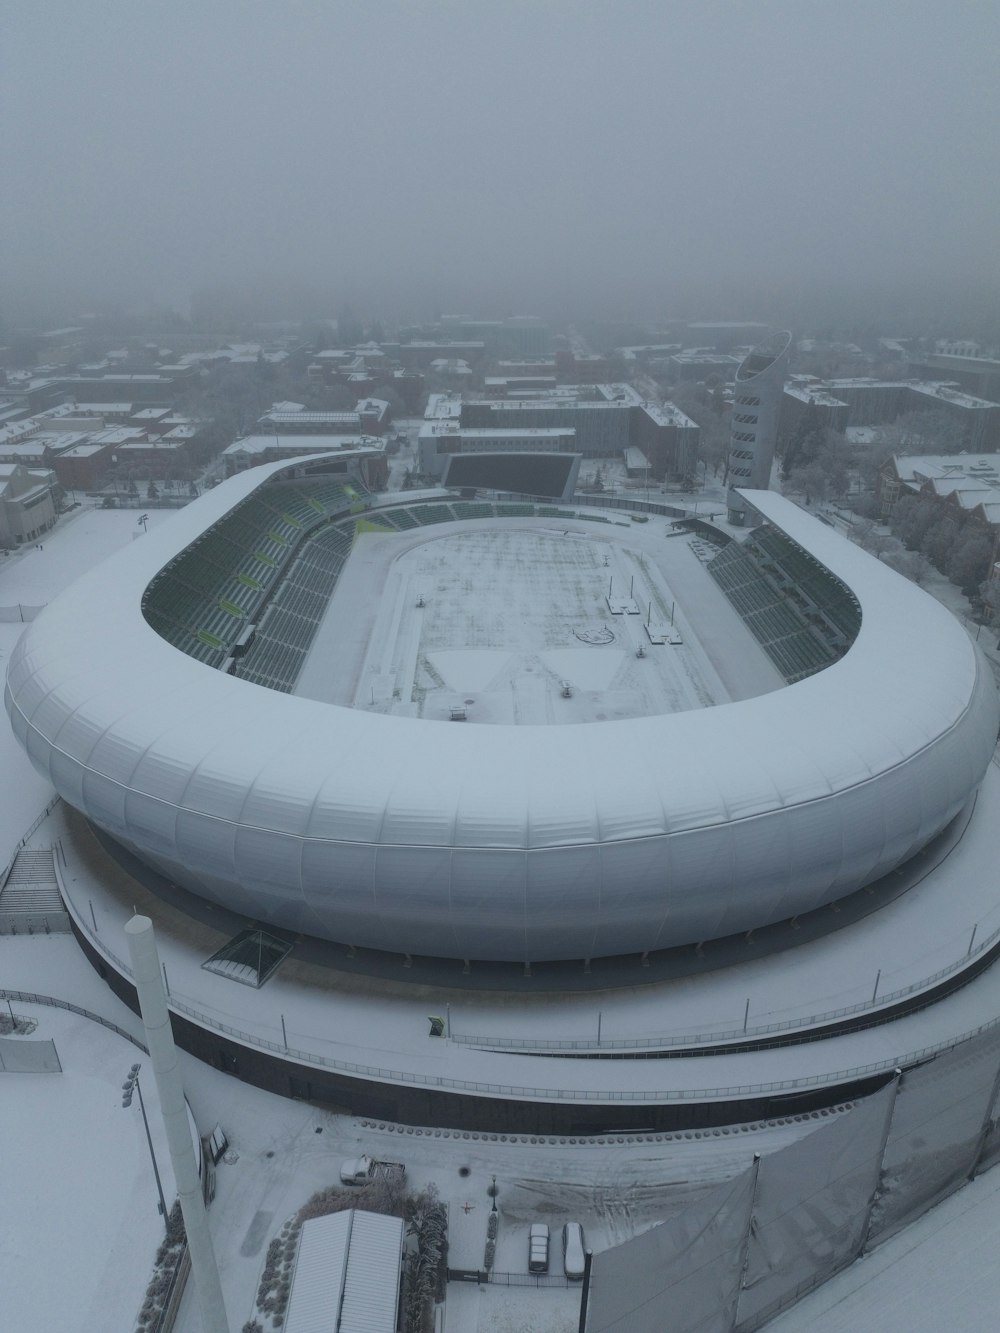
364,1169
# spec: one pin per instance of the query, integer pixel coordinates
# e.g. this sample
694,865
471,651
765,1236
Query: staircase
29,900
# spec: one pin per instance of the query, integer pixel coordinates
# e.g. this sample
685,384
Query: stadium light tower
131,1085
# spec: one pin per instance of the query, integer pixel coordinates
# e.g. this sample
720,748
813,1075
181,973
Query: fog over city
772,160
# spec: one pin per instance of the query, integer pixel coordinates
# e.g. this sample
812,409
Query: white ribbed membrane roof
506,842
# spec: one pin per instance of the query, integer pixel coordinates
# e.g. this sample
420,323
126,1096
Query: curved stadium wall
503,843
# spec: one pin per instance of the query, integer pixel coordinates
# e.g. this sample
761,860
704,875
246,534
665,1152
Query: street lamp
142,521
132,1084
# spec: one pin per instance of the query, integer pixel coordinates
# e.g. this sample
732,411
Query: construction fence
750,1247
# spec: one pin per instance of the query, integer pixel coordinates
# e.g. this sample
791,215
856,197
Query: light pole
142,521
130,1084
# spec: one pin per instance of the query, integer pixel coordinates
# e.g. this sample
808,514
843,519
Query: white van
573,1250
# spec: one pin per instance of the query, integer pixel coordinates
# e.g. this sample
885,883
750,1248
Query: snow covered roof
299,417
347,1273
983,469
301,444
507,842
813,393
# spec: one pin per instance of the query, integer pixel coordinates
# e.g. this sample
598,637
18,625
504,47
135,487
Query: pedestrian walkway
29,900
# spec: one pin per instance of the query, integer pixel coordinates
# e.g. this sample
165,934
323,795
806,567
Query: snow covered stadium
438,748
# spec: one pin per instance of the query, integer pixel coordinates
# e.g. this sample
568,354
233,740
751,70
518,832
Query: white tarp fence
754,1245
936,1131
683,1275
811,1207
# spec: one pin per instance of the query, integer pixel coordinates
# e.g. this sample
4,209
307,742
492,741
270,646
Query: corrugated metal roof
347,1274
320,1272
371,1292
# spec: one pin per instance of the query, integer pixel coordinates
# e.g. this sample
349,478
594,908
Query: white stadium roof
522,843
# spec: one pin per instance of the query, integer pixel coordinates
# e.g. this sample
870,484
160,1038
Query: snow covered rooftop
347,1273
922,467
302,444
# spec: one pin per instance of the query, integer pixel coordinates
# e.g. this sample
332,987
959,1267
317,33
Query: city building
440,439
82,466
28,503
606,419
364,454
699,362
421,353
300,422
962,364
850,402
148,389
808,400
516,336
964,486
516,386
757,398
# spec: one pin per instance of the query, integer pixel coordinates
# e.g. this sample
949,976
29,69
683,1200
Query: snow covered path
79,1225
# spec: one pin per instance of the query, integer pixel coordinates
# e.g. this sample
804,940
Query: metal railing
24,838
528,1279
410,1078
30,997
607,1045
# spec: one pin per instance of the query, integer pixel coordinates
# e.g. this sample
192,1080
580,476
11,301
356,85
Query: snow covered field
511,620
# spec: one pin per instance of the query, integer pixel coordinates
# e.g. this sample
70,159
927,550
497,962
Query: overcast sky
701,157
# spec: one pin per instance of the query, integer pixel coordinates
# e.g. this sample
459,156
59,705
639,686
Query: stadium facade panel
522,843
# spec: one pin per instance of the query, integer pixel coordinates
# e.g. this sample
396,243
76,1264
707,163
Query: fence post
745,1244
588,1260
890,1112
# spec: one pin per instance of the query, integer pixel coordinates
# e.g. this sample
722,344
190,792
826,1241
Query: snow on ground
82,538
78,1198
472,1309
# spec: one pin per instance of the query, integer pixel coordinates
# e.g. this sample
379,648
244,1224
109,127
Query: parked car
573,1250
538,1248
